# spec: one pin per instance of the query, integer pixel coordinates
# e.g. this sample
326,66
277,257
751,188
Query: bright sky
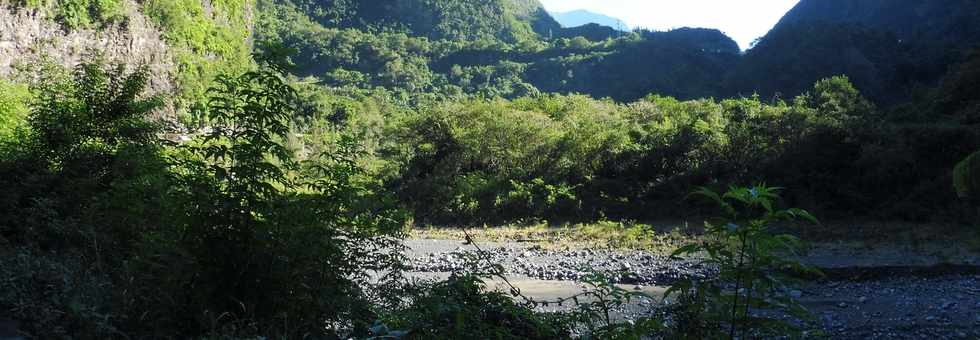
744,21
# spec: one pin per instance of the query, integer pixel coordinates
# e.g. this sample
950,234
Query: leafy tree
83,182
265,245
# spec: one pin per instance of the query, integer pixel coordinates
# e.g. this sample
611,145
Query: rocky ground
867,295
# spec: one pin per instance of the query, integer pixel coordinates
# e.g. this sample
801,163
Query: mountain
505,20
907,19
889,48
594,32
683,63
582,17
508,56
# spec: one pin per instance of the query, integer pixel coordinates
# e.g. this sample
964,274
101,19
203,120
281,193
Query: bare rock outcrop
28,36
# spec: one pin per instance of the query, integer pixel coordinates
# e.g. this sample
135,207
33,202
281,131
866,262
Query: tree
262,237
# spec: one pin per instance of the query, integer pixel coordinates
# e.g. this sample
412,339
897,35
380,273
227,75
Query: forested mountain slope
505,20
455,48
510,48
889,48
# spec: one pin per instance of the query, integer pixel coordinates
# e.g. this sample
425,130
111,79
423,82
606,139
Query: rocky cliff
28,37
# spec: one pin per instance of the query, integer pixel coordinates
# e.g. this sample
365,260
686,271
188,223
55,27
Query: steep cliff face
28,37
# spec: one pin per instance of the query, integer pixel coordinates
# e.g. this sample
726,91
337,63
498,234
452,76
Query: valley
483,169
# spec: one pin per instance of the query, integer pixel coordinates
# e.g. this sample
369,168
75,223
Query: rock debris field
864,302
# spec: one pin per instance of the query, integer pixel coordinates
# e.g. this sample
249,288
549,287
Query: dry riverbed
869,293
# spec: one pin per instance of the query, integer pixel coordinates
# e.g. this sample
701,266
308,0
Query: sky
744,21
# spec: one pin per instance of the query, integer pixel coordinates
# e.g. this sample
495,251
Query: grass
943,241
659,238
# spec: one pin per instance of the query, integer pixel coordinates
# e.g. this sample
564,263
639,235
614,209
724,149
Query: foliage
461,308
966,177
343,52
299,243
230,235
575,158
13,108
79,14
70,215
507,20
752,266
206,41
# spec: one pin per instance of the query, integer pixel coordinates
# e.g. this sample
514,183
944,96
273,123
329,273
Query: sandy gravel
883,294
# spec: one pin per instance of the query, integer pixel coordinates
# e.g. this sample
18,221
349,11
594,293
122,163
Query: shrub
13,109
966,177
753,266
461,308
86,155
264,246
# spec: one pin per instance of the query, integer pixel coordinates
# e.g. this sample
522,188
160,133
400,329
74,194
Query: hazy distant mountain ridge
583,17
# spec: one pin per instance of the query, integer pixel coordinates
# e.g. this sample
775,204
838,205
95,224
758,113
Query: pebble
936,301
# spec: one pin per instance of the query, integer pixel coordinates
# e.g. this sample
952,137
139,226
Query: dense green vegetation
424,62
76,14
889,62
229,234
328,129
572,157
13,108
207,40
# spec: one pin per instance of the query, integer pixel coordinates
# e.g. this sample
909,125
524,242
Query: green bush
106,233
205,44
966,177
85,150
78,14
462,308
572,157
264,245
753,266
13,109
